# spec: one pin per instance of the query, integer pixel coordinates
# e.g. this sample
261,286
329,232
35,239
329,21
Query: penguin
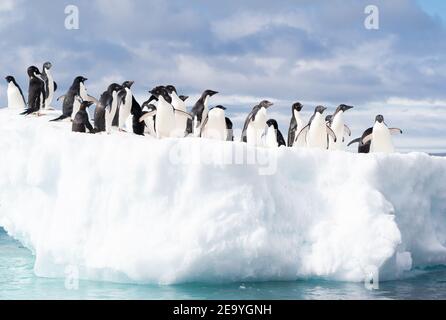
139,116
316,131
77,89
16,100
296,124
214,126
106,108
200,113
36,91
363,147
150,121
337,124
379,137
81,122
229,130
165,114
50,84
274,137
125,98
180,118
255,124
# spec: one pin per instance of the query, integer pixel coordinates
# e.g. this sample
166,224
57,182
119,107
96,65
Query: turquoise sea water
17,281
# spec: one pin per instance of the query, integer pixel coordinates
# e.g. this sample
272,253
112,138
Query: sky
315,52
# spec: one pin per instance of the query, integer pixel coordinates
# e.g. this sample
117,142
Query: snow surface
134,209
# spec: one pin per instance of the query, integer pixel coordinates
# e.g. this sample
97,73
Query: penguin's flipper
61,98
357,140
147,115
55,86
367,139
205,122
395,131
303,132
62,117
186,114
280,139
347,129
92,99
331,133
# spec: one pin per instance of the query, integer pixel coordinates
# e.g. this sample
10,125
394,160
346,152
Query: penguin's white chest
76,107
338,127
15,99
165,119
49,100
83,91
317,135
180,118
125,109
271,138
256,129
216,125
110,115
299,141
381,139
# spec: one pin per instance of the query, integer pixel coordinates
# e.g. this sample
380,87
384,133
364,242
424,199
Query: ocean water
17,281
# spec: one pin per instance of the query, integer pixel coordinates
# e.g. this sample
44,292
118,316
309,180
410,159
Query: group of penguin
164,115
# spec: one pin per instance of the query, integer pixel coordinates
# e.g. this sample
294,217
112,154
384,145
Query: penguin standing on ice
296,125
274,137
77,89
379,137
125,98
255,124
214,126
81,122
16,100
165,114
337,124
200,112
180,118
36,91
139,117
50,84
316,131
106,108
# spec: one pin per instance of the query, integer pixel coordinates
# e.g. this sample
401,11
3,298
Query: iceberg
135,209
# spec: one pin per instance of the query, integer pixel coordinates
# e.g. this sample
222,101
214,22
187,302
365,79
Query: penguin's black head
266,104
272,123
9,79
344,107
170,89
379,118
128,84
114,87
47,65
161,91
184,98
320,109
329,118
297,107
33,71
209,93
80,79
86,104
220,107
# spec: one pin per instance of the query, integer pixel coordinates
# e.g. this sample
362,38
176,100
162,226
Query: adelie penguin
316,132
378,138
16,100
77,89
296,125
255,124
125,98
106,108
150,121
50,84
81,123
180,118
36,91
274,137
199,113
214,127
337,124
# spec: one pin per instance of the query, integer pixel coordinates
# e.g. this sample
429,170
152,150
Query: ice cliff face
134,209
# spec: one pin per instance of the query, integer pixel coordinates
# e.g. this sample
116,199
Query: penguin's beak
348,108
213,93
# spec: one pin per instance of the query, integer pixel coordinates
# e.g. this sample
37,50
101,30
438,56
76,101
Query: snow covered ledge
134,209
